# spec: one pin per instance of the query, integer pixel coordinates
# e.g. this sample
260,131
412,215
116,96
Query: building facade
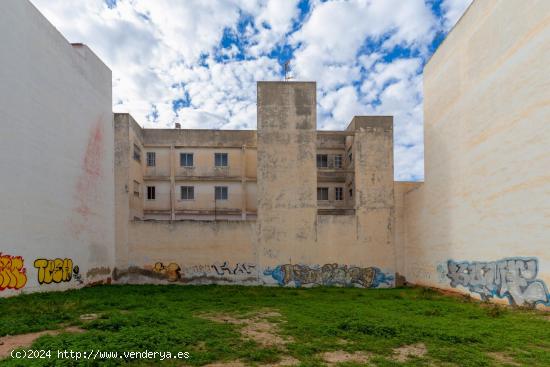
287,194
182,174
88,198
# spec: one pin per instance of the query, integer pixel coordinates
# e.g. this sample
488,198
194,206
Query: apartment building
190,174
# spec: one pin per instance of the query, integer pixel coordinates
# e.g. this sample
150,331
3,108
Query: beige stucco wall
401,189
486,195
56,157
195,252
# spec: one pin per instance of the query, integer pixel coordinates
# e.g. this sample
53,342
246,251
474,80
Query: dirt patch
404,353
503,358
339,356
286,361
11,342
226,364
256,327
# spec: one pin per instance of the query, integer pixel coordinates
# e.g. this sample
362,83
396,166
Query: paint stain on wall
88,183
12,272
57,271
511,278
329,274
98,271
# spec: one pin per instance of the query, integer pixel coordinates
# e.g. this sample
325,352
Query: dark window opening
186,159
220,159
187,193
221,192
151,159
322,193
339,193
151,195
337,161
322,160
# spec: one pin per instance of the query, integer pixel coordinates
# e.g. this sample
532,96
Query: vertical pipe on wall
172,183
243,182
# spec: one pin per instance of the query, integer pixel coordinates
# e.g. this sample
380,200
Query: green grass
456,332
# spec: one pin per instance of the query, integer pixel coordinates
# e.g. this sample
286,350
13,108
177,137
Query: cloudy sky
197,61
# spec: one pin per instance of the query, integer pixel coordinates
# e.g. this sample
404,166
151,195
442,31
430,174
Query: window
322,193
350,193
151,193
136,188
339,193
322,161
186,159
221,192
151,159
187,193
350,156
220,159
338,161
137,153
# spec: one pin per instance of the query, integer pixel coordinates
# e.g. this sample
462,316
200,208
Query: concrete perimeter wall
56,158
195,252
480,223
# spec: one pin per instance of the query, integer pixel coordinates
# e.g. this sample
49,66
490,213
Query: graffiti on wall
511,278
171,271
202,273
237,268
57,271
12,272
330,274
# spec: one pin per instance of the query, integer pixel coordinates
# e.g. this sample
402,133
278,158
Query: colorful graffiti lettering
330,274
12,273
170,271
512,278
238,268
56,271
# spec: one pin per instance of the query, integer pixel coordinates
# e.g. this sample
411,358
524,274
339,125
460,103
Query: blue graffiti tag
330,274
511,278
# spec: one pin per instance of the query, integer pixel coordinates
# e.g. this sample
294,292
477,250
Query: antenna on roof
287,71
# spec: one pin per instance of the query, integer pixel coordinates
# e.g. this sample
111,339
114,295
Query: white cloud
168,50
453,10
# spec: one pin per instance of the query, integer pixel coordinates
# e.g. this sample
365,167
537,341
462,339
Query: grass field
241,326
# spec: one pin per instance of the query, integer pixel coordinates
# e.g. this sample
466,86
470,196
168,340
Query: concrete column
287,174
373,193
123,188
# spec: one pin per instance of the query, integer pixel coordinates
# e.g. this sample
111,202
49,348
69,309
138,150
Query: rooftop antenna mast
287,71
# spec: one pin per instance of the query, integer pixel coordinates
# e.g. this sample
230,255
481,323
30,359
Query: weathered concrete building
94,198
290,193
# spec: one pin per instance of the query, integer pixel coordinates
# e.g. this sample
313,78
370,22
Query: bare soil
11,342
404,353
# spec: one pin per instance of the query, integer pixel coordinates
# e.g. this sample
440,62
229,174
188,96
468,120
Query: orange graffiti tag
12,273
56,270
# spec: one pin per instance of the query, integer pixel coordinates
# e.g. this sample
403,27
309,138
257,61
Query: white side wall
481,221
56,156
